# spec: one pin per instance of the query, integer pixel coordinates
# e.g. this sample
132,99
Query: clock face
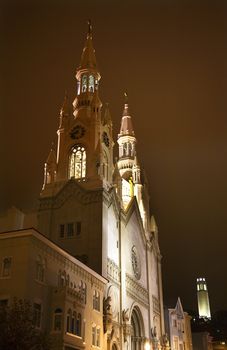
135,263
77,132
105,139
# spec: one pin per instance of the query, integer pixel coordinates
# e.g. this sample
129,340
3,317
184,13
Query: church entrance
137,330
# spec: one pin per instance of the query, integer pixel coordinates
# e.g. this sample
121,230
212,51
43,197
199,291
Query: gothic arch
137,324
77,162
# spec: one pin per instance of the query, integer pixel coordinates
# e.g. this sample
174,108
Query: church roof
88,59
126,121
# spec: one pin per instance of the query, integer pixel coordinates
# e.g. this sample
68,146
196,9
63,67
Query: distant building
203,298
178,327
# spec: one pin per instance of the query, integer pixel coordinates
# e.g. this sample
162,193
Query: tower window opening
91,83
124,149
77,162
84,83
130,149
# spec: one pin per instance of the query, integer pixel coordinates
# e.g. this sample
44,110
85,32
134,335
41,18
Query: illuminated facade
109,202
97,211
203,298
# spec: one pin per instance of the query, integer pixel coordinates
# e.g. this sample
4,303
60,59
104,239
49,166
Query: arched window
68,321
57,319
91,83
78,325
96,300
93,334
84,83
73,323
98,337
77,162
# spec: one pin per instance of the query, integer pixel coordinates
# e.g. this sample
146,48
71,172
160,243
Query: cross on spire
89,33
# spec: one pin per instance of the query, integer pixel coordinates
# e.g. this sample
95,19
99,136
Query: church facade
97,211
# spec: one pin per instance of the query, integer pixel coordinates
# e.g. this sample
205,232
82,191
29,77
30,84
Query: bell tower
78,174
84,146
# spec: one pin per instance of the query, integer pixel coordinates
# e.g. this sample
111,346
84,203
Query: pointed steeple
50,167
64,111
88,59
87,75
126,121
51,159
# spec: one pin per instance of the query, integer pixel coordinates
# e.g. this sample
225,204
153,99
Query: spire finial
126,97
64,111
89,33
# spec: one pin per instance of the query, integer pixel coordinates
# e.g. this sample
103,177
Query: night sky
171,59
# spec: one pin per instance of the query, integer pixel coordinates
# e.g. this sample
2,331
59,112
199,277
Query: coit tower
203,298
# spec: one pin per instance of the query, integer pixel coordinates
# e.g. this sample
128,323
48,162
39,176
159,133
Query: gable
71,189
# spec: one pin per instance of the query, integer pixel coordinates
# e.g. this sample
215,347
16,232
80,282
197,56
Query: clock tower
85,146
79,171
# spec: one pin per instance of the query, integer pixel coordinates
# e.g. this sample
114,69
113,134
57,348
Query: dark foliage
17,331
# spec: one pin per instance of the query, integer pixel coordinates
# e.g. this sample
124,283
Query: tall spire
126,121
88,59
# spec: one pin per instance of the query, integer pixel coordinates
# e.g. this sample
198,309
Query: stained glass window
77,163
